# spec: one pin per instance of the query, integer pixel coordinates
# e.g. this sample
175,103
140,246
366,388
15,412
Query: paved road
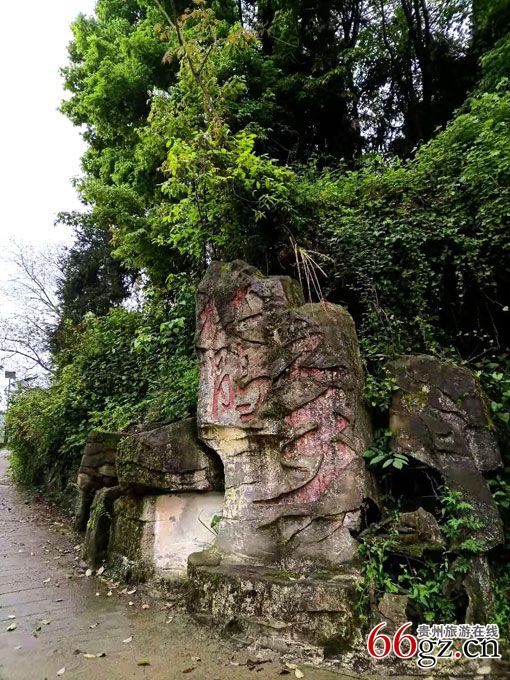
59,614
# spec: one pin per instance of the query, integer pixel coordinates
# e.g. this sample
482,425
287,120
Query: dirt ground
58,616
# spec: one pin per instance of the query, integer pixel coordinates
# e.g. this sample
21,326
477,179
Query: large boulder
280,401
168,459
440,417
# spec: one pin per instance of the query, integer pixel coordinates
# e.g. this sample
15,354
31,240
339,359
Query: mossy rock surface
127,527
276,609
439,417
97,536
168,459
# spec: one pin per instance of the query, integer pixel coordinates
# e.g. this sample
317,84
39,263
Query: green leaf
378,459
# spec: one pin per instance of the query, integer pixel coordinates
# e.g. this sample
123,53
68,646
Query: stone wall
156,505
97,470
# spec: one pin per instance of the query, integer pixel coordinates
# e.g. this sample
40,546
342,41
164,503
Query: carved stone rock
168,459
280,401
278,609
154,535
440,417
97,470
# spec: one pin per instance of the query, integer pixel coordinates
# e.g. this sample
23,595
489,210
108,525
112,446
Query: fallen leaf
47,580
61,671
100,571
97,655
45,622
129,639
59,600
97,594
291,666
145,606
131,592
298,673
11,616
131,604
94,625
170,619
19,647
189,670
12,627
109,593
143,662
88,572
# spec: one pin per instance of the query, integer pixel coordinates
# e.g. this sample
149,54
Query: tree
260,130
90,279
26,329
324,81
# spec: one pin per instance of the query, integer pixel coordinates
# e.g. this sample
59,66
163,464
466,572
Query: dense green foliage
92,280
116,370
430,581
369,139
421,249
204,140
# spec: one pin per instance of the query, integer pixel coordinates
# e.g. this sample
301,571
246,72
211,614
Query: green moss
128,449
210,557
98,509
128,528
285,575
415,400
491,425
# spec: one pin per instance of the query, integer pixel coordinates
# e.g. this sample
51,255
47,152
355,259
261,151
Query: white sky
40,149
